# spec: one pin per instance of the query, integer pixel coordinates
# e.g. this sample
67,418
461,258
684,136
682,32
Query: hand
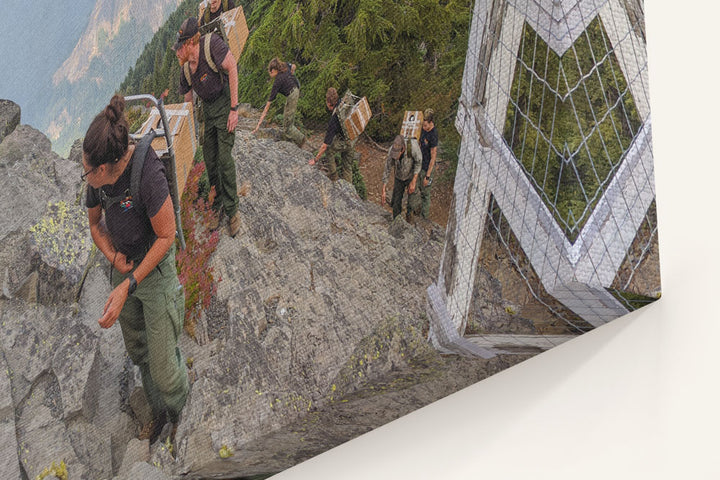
256,130
312,161
121,264
232,121
425,182
114,305
411,187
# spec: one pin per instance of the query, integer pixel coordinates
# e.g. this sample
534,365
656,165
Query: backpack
138,160
348,105
208,58
206,13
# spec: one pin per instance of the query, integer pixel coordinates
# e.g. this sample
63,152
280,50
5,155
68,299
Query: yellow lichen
225,452
59,471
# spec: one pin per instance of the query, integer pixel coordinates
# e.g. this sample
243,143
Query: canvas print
237,234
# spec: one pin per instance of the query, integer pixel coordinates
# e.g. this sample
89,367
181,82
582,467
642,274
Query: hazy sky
37,36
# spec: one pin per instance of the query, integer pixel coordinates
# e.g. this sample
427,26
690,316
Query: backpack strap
208,59
208,53
136,167
139,155
186,70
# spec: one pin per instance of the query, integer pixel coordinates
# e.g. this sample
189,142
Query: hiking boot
152,429
410,217
234,226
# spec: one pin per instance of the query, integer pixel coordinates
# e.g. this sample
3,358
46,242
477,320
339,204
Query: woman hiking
137,236
288,85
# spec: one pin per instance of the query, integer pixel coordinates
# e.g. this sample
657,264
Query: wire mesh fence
552,229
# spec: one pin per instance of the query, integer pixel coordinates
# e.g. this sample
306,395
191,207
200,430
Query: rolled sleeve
388,166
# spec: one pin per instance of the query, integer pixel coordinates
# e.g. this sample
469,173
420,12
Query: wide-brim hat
397,147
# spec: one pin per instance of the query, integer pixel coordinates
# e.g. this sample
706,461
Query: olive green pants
151,321
421,202
344,169
217,152
289,129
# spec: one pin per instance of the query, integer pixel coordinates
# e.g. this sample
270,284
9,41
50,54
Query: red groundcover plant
196,276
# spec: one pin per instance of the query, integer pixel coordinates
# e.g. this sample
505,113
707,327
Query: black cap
187,30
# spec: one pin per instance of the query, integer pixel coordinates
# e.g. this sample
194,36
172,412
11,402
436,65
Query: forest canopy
400,54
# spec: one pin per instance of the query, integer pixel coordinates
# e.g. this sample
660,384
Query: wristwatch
235,108
133,284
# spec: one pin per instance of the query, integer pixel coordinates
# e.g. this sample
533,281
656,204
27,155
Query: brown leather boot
151,430
234,226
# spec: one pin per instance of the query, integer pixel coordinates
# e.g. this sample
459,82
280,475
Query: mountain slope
112,41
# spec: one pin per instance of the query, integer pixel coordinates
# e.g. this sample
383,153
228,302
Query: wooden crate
359,117
181,125
235,28
412,124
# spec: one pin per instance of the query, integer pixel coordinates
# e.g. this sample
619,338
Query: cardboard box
412,124
235,27
357,120
181,126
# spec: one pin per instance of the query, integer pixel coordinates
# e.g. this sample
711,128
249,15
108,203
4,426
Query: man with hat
407,166
213,75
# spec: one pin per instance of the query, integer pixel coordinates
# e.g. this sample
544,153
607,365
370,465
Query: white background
638,398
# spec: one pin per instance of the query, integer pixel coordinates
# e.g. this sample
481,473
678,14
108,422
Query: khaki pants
289,130
151,321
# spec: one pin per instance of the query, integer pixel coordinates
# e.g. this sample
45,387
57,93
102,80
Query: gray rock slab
145,471
137,451
9,117
9,462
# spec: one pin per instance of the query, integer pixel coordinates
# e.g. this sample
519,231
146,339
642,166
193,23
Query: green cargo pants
346,149
151,321
289,129
421,202
217,151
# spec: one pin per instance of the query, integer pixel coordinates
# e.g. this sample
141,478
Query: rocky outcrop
317,332
318,329
9,117
63,381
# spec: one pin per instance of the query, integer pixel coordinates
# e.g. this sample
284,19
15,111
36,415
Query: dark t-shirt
207,83
284,83
213,16
428,140
130,229
333,128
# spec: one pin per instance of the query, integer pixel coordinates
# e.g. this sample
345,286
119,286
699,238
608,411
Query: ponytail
106,139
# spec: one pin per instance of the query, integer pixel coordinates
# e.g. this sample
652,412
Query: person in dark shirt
428,147
213,9
336,143
138,239
219,94
286,84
